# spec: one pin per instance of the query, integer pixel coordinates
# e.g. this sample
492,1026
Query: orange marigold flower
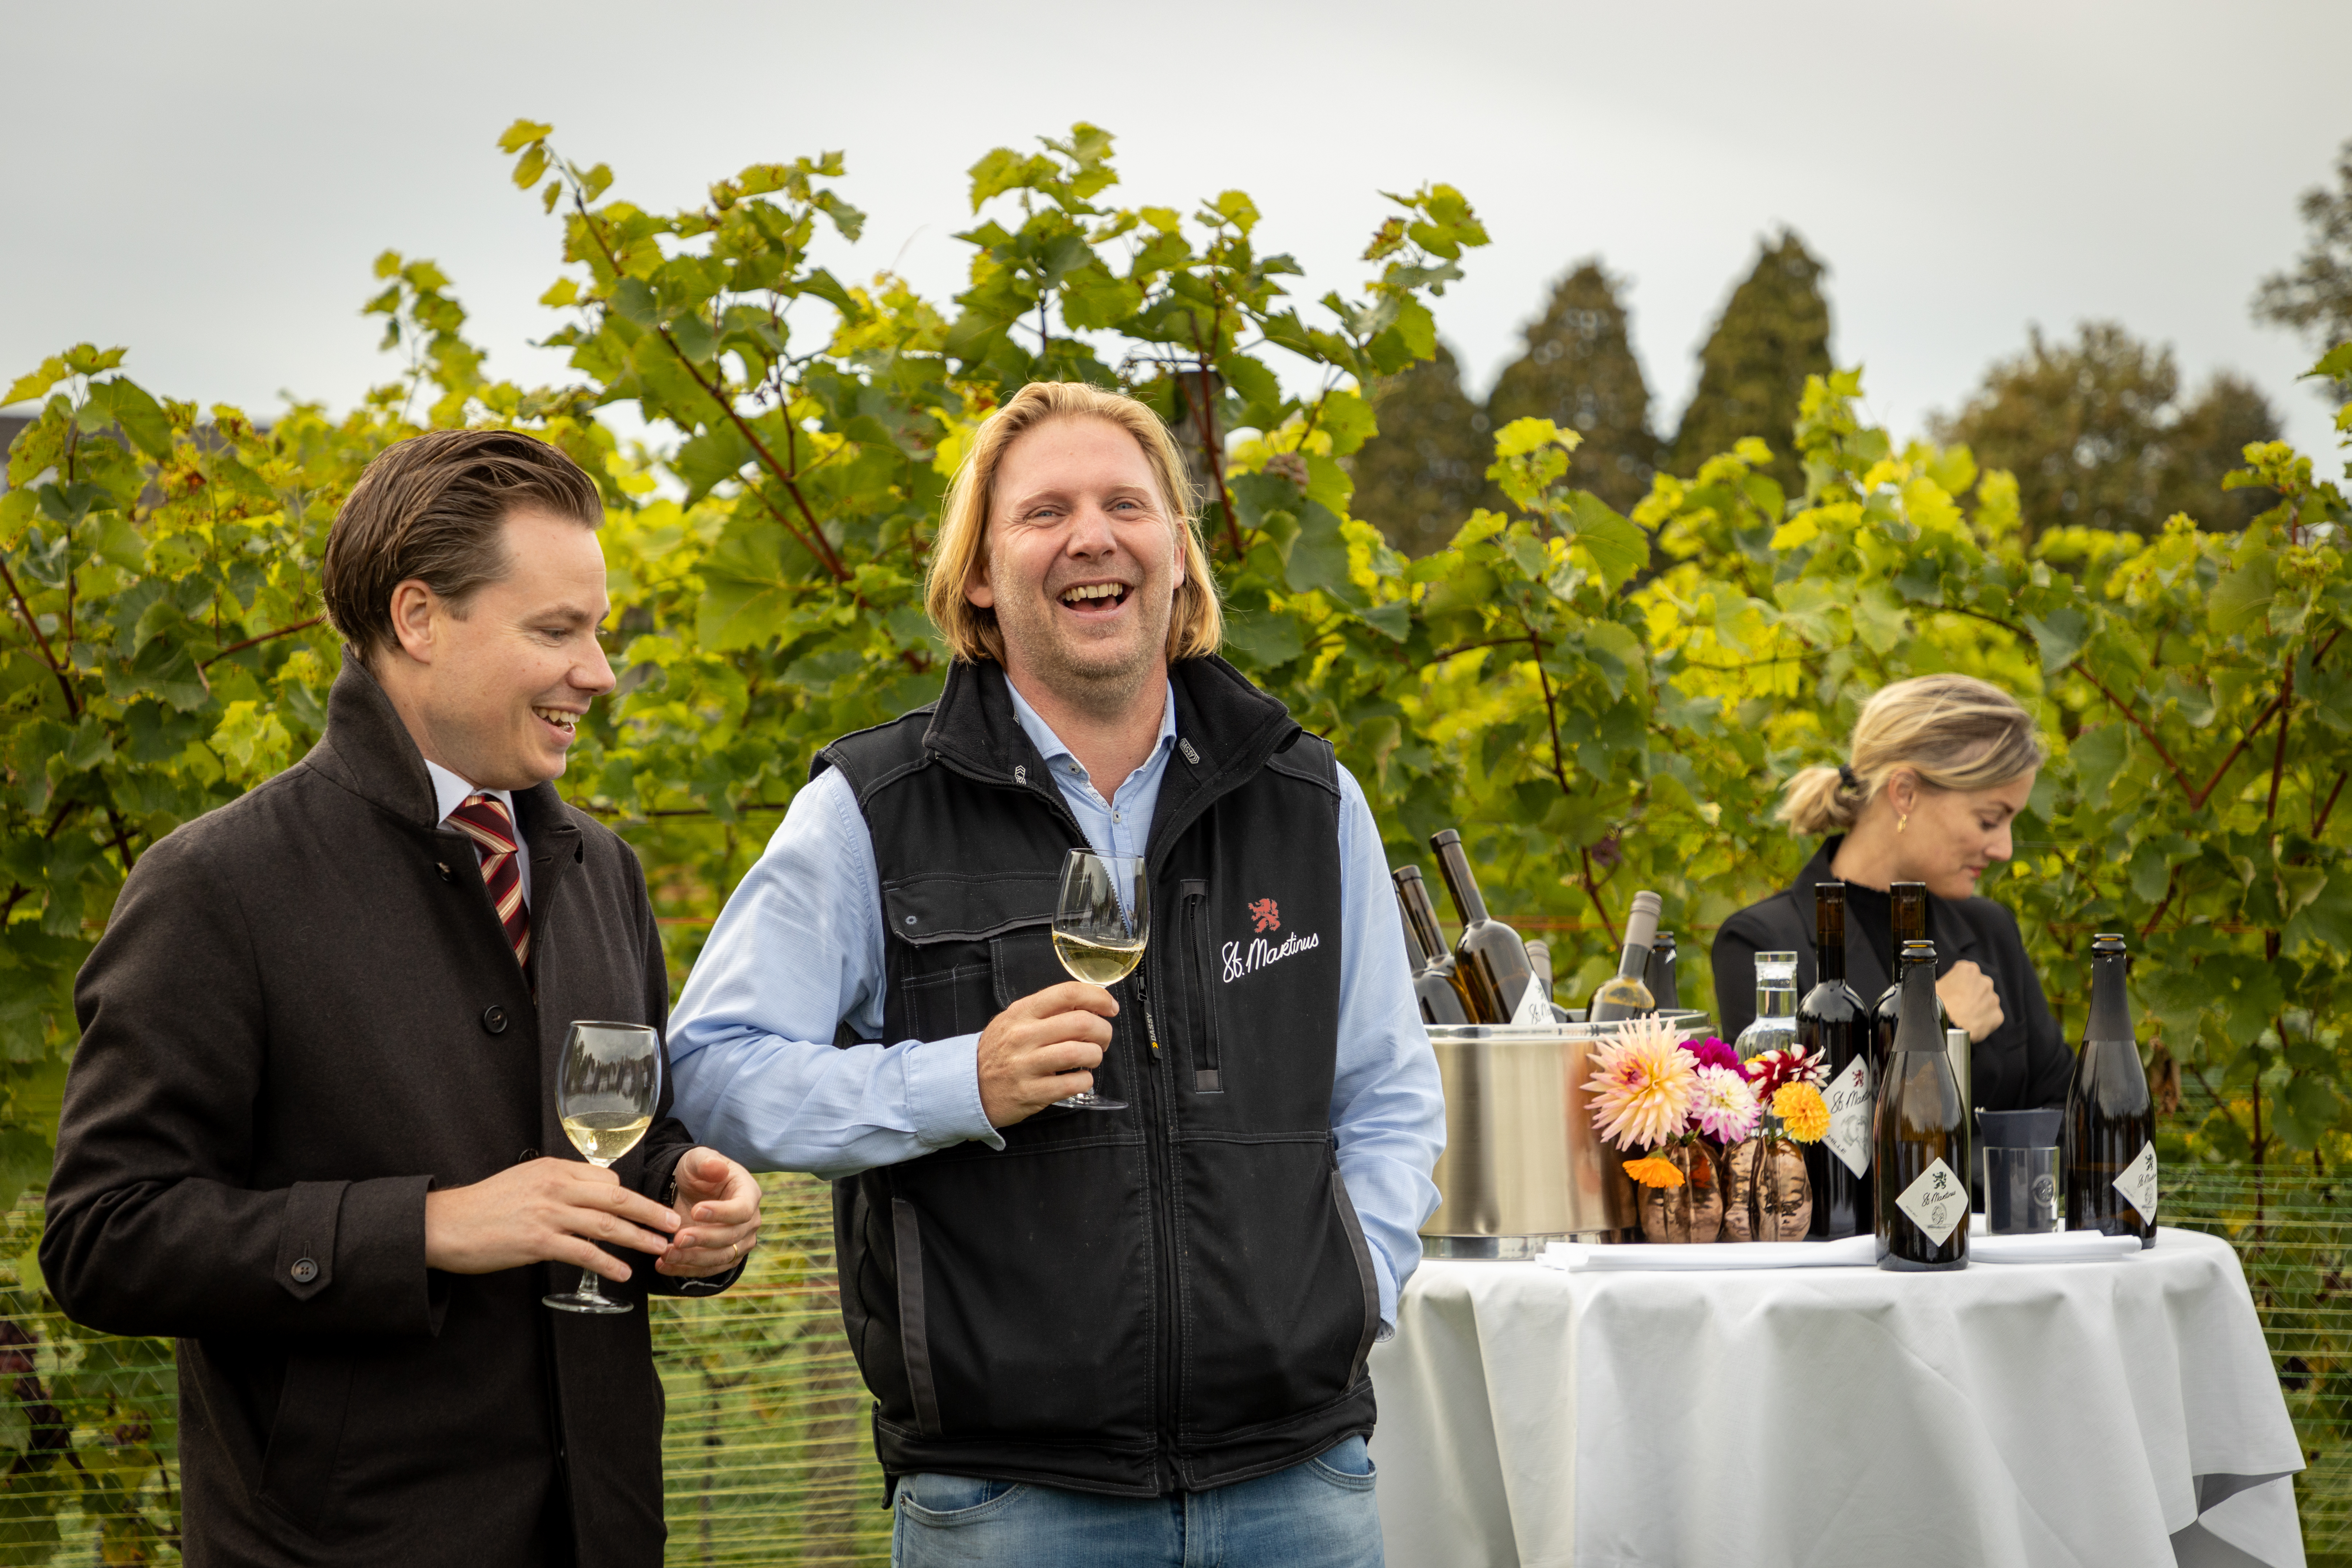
1654,1172
1801,1111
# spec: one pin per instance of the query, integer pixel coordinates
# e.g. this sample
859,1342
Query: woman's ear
1903,791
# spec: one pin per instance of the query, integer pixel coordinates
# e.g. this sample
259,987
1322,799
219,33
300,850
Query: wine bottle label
1938,1202
1849,1101
1535,1006
2137,1183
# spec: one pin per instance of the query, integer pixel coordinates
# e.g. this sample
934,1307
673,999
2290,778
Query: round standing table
2078,1414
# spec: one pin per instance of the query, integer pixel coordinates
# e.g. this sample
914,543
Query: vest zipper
1160,1171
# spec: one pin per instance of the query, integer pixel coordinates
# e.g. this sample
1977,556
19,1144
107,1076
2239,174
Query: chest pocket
963,948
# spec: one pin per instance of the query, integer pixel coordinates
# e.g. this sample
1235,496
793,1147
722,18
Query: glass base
582,1301
1090,1101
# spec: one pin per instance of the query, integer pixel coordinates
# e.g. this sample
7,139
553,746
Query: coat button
304,1270
494,1020
526,1157
446,874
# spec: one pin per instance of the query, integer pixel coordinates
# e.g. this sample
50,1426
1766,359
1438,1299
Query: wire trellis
767,1452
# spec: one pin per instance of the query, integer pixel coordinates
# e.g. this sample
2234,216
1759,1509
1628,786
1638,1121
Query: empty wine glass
605,1092
1099,929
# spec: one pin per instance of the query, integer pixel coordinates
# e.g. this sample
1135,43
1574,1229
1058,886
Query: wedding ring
734,1253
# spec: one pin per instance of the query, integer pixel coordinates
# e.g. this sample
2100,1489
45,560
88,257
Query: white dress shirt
449,792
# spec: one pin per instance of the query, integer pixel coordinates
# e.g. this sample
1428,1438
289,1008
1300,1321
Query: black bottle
1433,979
1833,1024
2108,1162
1922,1141
1908,919
1664,989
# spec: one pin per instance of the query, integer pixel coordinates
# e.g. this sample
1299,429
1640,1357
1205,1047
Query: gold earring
1901,821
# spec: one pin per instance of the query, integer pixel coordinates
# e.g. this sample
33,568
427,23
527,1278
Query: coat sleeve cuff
355,1251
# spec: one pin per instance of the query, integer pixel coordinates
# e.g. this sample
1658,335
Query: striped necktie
483,818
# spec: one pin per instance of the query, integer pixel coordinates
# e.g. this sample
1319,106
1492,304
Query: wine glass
1099,928
604,1095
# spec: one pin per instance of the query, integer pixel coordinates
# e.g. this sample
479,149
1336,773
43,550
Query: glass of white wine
1099,928
605,1096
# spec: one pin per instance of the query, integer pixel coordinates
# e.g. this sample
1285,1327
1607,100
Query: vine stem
1212,452
266,636
2319,823
2278,756
48,656
814,541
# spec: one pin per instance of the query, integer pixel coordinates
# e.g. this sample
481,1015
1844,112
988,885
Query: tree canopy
2098,432
1578,371
1418,479
2314,296
1773,333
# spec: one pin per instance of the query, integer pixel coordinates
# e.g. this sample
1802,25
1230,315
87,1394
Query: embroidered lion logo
1265,916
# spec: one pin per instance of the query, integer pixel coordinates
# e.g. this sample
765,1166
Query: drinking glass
1099,929
604,1095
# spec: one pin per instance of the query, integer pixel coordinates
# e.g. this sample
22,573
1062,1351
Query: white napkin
1579,1256
2051,1246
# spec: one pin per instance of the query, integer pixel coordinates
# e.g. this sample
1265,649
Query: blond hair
1196,628
1955,731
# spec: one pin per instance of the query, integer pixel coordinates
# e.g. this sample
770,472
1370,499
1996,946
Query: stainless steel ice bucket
1522,1165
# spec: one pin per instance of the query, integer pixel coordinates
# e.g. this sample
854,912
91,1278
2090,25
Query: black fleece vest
1162,1298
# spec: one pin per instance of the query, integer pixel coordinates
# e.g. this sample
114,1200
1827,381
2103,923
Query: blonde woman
1938,769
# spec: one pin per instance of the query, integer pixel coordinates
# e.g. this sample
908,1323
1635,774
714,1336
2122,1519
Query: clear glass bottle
1775,1025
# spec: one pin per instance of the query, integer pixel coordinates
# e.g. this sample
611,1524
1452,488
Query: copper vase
1692,1212
1766,1194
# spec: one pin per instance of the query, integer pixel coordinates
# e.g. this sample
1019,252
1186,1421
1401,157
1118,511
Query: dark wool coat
302,1016
2022,1064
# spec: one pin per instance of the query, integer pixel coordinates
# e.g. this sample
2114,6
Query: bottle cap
1641,921
1406,873
1443,837
2107,941
1919,952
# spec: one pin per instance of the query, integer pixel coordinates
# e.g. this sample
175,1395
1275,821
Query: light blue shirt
798,950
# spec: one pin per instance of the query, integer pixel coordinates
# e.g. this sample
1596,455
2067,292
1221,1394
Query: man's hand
549,1211
1969,1000
717,1215
1043,1048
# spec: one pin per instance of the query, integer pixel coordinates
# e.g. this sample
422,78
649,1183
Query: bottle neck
1922,1025
1421,915
1633,964
2111,1017
1908,913
1456,868
1776,999
1828,939
1416,952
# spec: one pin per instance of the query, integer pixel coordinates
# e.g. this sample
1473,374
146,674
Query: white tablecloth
2090,1413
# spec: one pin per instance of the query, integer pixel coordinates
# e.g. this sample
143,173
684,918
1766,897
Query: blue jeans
1316,1514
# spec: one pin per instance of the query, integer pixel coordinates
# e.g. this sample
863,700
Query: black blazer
2021,1065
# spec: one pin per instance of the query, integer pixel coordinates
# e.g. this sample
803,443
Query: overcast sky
209,184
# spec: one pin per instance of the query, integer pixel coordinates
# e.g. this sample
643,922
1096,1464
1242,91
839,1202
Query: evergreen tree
1773,334
1578,371
2097,432
2315,299
1418,480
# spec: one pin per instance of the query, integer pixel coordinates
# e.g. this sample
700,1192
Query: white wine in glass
605,1093
1099,929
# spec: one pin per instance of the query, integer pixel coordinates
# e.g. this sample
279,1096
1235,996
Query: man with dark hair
303,1130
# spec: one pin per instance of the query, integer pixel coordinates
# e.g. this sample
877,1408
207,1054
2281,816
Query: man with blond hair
1131,1335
